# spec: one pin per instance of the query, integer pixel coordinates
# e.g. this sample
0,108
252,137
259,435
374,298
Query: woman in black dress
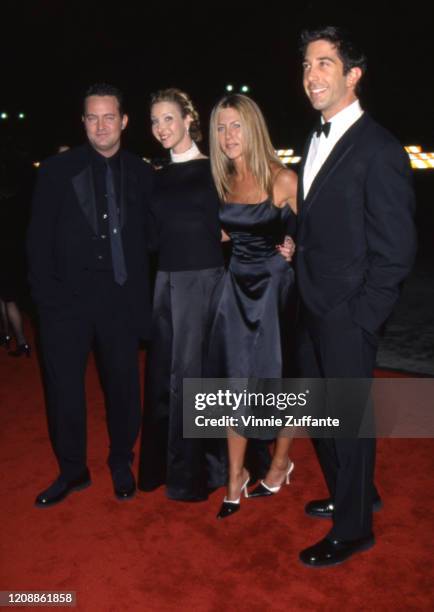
185,207
259,198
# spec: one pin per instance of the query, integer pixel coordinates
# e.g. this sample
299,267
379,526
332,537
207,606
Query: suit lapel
337,155
300,188
123,196
85,192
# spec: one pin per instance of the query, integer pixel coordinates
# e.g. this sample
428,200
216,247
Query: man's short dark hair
348,50
104,89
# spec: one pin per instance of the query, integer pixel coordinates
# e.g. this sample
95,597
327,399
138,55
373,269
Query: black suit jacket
356,237
64,225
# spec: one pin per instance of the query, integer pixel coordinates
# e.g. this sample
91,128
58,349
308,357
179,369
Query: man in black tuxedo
355,246
89,278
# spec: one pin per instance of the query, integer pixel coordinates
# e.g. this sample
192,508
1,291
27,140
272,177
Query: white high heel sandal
230,506
264,490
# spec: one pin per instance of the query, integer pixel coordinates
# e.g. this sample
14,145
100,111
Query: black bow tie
323,128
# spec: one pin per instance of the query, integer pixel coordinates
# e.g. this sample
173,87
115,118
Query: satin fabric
254,303
181,323
251,326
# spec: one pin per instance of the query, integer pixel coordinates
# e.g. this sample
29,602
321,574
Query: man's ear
124,121
353,76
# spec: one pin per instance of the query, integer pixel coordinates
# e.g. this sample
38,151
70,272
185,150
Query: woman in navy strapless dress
257,289
259,198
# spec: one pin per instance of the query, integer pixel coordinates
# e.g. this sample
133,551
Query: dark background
52,50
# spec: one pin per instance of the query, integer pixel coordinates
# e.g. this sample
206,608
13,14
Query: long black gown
253,319
190,268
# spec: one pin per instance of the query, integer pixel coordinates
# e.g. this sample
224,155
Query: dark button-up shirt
102,259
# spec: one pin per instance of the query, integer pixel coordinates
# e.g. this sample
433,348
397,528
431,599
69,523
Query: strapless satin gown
250,328
252,335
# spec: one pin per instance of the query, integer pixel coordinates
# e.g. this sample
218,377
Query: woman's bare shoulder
285,187
284,177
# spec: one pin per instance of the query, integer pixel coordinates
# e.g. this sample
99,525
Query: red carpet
154,554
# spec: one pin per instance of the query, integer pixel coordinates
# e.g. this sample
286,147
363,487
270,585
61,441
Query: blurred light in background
418,159
287,156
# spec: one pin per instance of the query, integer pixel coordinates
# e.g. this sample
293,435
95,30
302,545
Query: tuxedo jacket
356,236
64,225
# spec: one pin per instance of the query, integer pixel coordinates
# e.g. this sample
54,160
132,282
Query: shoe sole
362,548
72,490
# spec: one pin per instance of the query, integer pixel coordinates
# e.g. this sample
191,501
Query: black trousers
335,347
98,318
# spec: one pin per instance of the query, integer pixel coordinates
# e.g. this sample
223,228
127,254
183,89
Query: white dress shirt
321,146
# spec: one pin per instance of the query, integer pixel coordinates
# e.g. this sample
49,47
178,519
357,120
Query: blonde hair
257,148
185,105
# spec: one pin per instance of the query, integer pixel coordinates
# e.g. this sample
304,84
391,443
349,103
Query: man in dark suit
355,246
89,278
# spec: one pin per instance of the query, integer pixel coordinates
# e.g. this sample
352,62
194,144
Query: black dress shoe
5,340
124,484
61,488
332,552
323,508
22,349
